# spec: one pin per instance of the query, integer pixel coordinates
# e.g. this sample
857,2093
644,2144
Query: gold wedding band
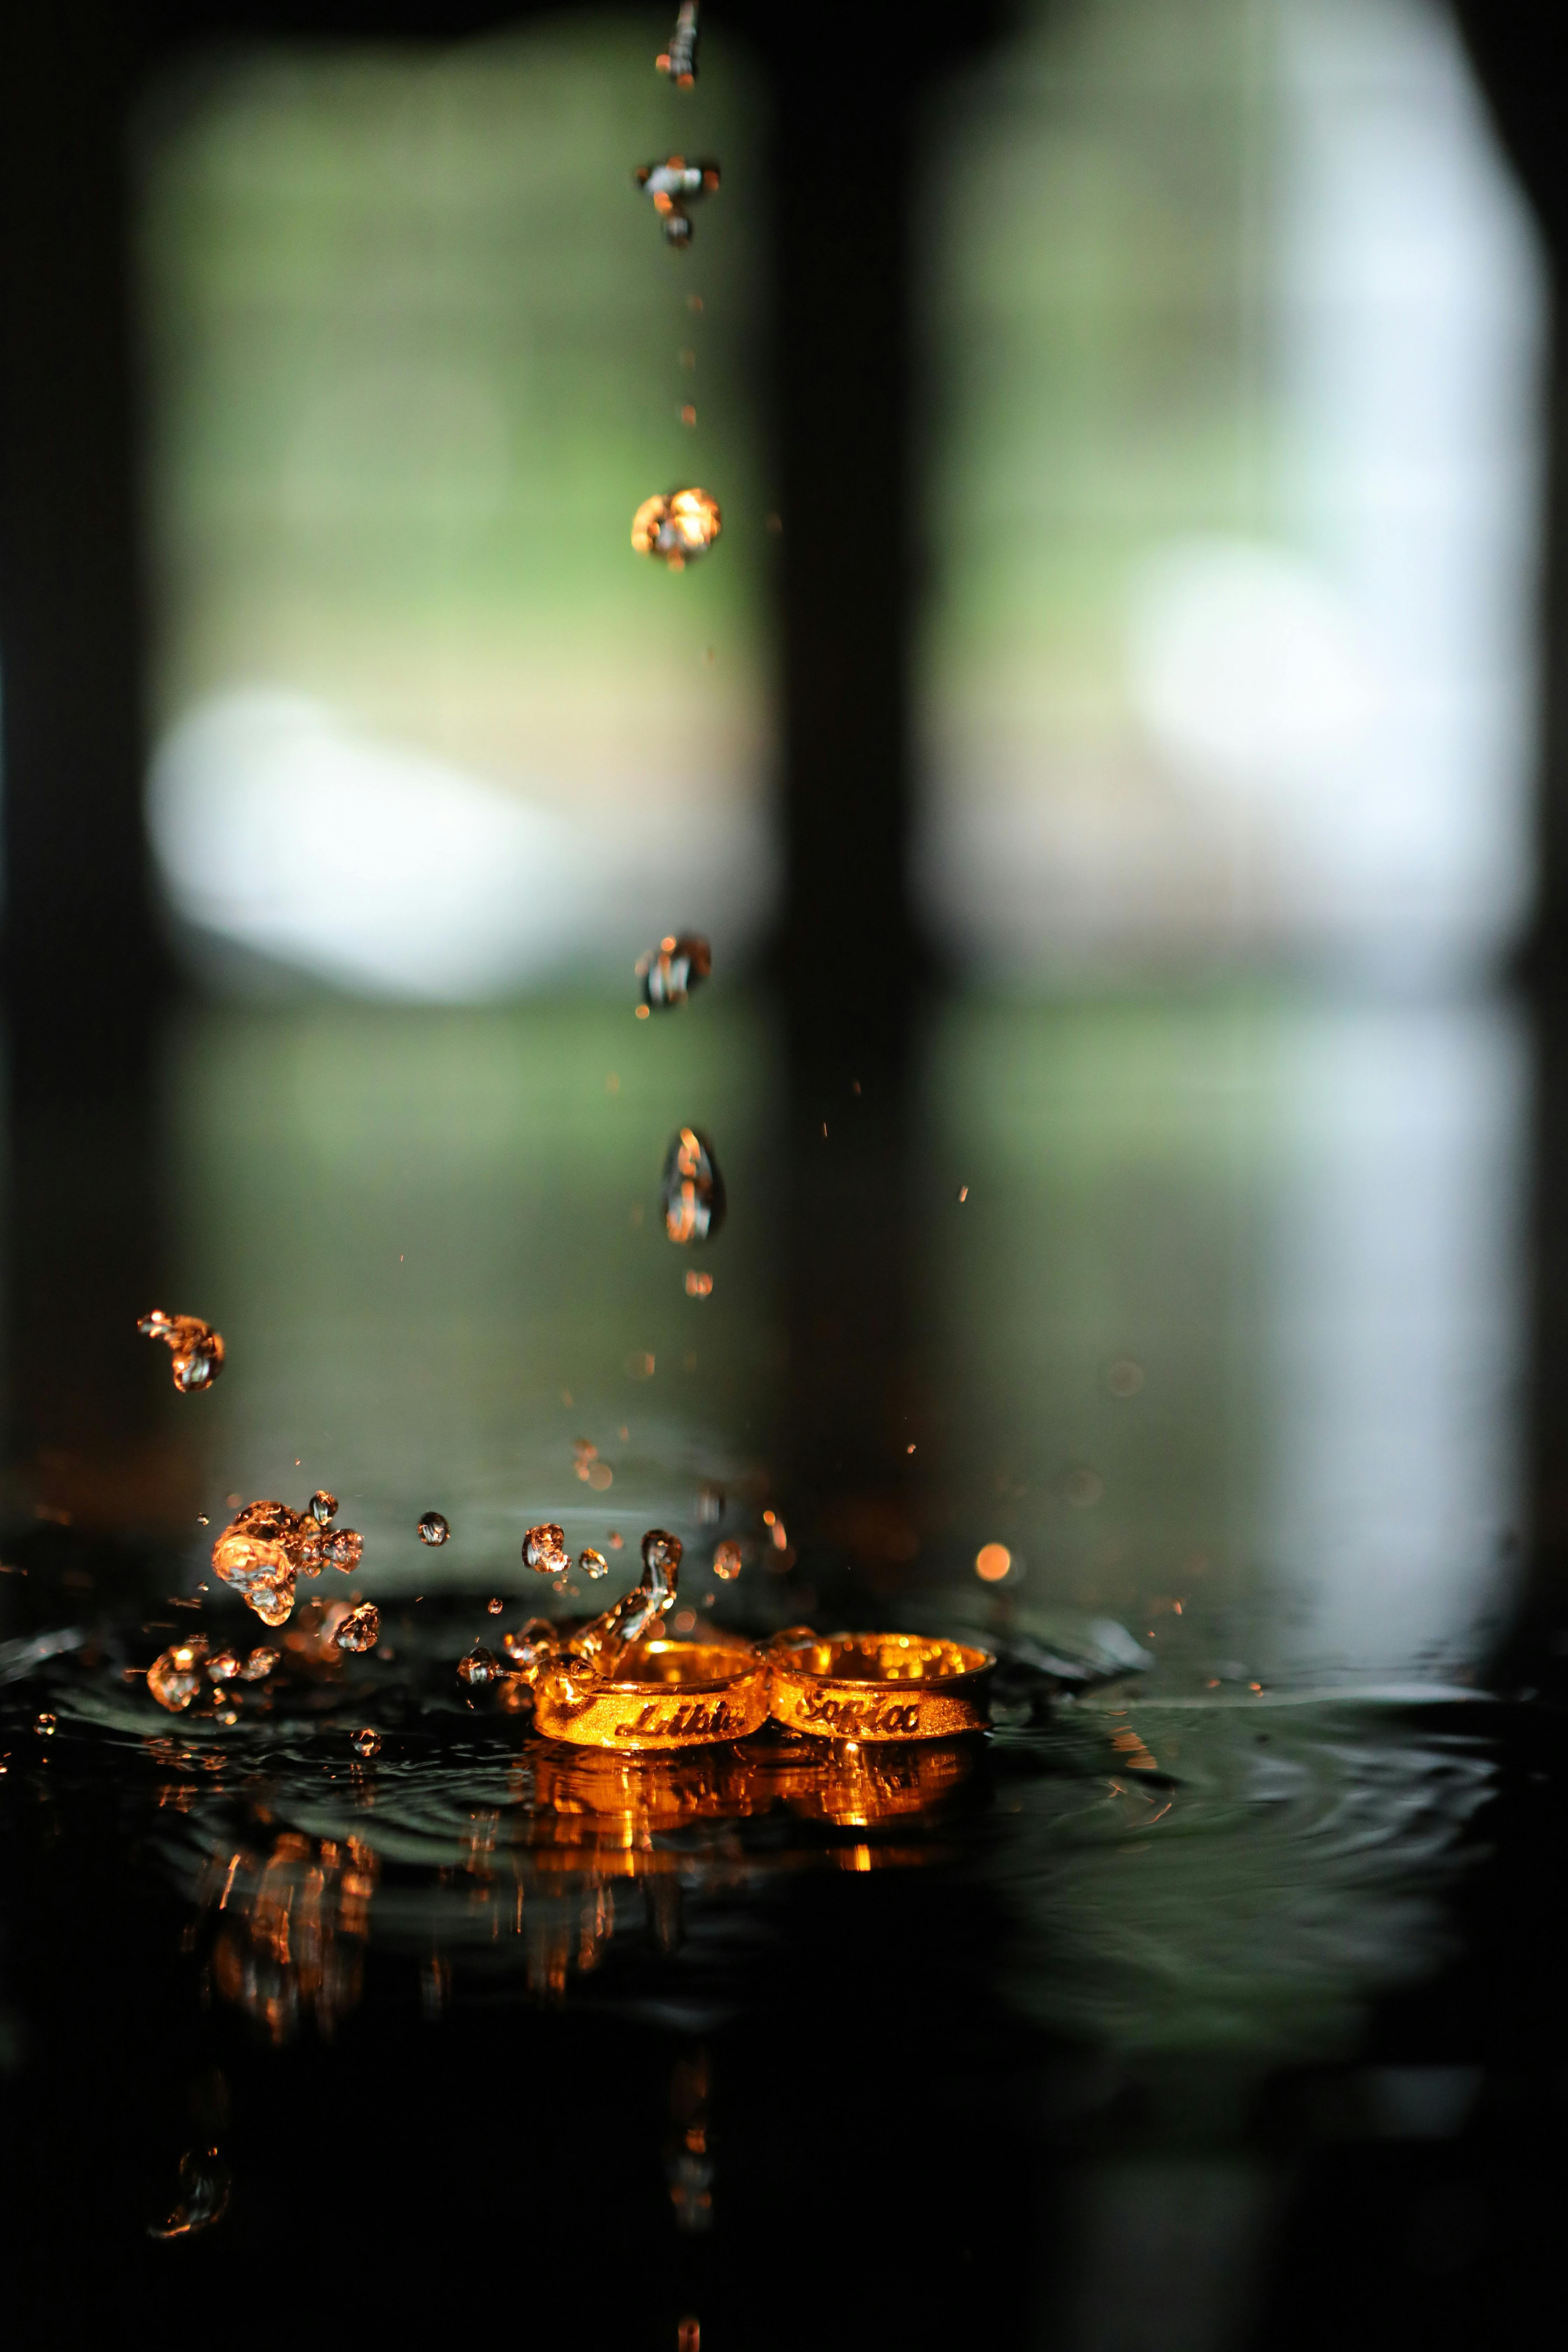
879,1687
662,1695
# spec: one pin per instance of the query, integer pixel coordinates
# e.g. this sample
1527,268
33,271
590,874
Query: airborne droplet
203,2196
692,1190
480,1666
175,1677
46,1726
196,1347
593,1563
670,971
258,1665
323,1507
679,525
544,1551
368,1742
433,1529
532,1645
679,60
672,185
266,1547
360,1629
223,1667
727,1562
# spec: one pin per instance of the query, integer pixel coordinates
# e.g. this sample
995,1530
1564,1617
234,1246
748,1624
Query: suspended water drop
196,1347
679,525
544,1551
692,1190
673,185
584,1453
45,1726
699,1286
223,1667
360,1629
727,1562
342,1548
679,60
593,1563
368,1742
480,1666
496,1607
433,1529
175,1677
323,1507
267,1545
671,971
203,2196
258,1665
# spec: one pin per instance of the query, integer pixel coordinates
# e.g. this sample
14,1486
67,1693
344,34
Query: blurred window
425,726
1235,322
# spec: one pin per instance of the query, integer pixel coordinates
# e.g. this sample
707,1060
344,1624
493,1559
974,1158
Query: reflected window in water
426,729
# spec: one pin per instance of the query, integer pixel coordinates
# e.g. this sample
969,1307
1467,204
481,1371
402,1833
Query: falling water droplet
203,2196
593,1563
584,1453
671,187
699,1286
544,1551
679,60
360,1629
342,1548
679,525
368,1741
45,1726
727,1562
259,1664
480,1666
678,965
433,1529
496,1607
323,1507
692,1190
196,1347
175,1677
223,1667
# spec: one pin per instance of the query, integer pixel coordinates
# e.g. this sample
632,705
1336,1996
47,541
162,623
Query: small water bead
45,1726
203,2196
593,1563
223,1667
433,1529
544,1551
670,971
259,1664
360,1629
196,1347
174,1677
496,1607
584,1453
368,1742
727,1562
679,525
479,1667
679,60
699,1286
323,1507
692,1191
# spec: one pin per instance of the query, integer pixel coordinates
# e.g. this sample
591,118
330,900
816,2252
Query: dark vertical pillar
80,952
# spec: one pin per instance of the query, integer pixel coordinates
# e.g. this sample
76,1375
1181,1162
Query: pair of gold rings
859,1686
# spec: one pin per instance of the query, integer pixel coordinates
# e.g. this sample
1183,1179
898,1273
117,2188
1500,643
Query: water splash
670,972
692,1191
196,1347
679,525
679,60
601,1643
203,2196
266,1547
672,185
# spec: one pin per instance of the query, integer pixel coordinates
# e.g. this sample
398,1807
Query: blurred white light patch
1243,666
383,871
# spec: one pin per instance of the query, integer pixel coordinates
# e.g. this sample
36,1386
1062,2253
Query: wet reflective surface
1211,1998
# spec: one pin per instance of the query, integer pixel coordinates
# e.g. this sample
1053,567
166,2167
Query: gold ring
877,1685
662,1695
